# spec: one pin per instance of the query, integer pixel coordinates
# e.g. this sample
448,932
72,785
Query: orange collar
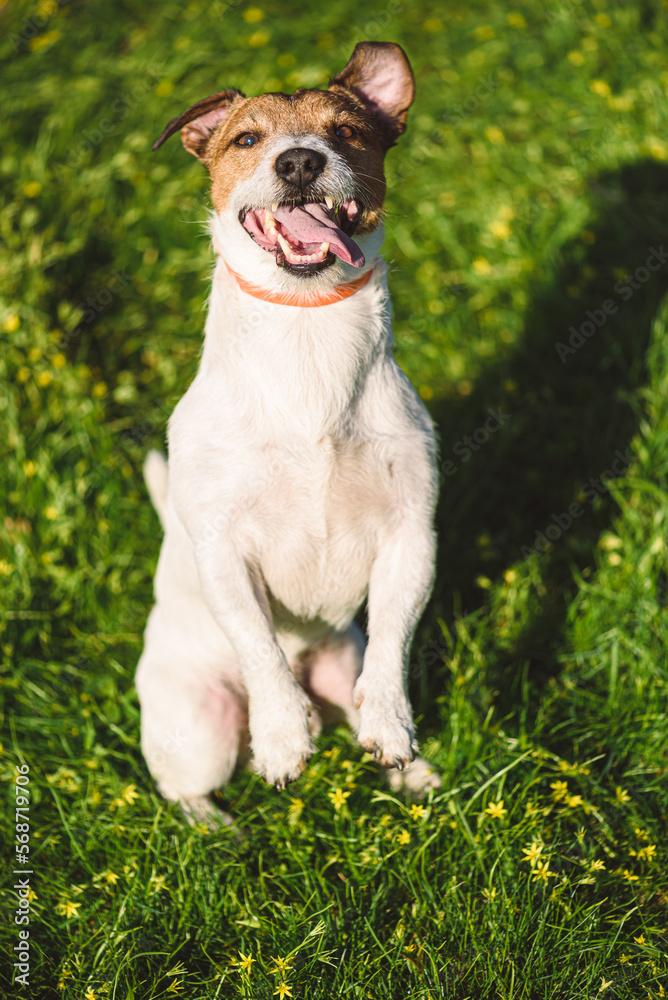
302,299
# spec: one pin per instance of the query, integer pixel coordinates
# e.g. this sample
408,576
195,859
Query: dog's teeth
324,248
274,206
329,202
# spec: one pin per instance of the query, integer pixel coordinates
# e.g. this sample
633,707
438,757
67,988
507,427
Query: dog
302,472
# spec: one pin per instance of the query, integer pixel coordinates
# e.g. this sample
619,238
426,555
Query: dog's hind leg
331,670
192,728
329,673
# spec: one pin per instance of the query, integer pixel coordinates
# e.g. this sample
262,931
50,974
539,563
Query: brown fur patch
307,112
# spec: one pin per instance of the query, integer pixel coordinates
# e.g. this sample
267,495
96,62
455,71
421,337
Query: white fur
301,478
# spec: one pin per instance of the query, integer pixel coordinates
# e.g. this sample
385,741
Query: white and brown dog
302,471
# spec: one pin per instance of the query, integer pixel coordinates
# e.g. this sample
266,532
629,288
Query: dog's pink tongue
311,224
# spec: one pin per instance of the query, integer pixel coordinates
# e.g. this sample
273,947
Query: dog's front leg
278,709
401,580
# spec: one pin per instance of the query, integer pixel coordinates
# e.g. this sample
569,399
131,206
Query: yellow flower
532,853
164,88
542,872
32,189
484,32
43,379
604,984
11,324
338,798
608,541
576,58
295,809
597,866
640,939
516,20
89,994
496,810
259,39
158,883
129,794
403,837
622,796
68,908
481,266
559,790
621,102
490,894
253,15
500,229
495,135
246,962
99,390
626,874
432,25
600,87
283,990
281,966
417,812
42,42
647,853
573,801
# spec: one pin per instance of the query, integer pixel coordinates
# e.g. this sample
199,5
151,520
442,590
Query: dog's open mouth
306,237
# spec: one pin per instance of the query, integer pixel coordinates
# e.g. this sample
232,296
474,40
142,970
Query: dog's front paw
386,728
281,737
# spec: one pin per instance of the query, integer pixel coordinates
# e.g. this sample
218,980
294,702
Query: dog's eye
246,139
344,131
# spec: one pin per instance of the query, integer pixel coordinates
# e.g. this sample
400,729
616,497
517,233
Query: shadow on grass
572,414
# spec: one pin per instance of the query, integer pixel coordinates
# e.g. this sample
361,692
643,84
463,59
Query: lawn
527,233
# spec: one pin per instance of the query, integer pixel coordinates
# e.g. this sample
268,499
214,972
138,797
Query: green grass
532,181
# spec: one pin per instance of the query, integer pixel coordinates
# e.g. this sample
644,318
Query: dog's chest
320,523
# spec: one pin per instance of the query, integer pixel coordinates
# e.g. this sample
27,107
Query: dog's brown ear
199,121
380,74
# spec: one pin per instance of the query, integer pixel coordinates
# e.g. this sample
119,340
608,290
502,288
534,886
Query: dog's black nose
300,166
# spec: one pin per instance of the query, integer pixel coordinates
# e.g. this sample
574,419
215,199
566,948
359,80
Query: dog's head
297,180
